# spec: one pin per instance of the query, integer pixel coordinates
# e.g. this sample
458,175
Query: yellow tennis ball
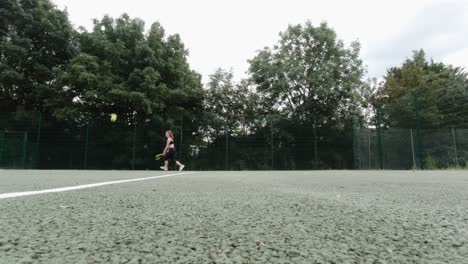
113,117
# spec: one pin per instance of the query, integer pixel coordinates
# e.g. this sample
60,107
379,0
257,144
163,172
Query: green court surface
234,217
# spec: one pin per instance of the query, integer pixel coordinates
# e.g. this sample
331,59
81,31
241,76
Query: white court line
86,186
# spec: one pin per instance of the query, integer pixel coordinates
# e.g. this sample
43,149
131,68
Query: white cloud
440,28
222,33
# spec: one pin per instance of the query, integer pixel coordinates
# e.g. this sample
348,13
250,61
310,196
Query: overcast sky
221,33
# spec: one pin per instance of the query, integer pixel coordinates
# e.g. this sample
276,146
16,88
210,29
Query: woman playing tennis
170,152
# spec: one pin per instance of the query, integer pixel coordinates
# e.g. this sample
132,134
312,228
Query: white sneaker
181,168
163,168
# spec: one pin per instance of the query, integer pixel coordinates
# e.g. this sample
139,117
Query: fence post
227,149
85,162
134,144
272,148
315,145
39,127
369,147
25,149
412,150
379,138
455,147
2,136
418,134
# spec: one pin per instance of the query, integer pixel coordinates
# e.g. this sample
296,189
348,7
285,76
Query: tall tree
367,97
229,105
310,75
142,77
313,81
232,124
424,92
36,40
121,69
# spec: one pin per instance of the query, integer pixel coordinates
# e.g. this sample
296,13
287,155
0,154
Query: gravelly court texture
236,217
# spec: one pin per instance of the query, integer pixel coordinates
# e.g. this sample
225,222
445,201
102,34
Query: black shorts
170,155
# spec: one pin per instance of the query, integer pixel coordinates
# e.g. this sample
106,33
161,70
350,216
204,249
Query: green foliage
430,163
457,167
434,94
36,40
233,112
142,77
309,75
78,78
122,70
229,105
311,83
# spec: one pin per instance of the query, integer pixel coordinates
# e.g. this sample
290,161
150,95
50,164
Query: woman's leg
181,166
166,162
165,167
170,156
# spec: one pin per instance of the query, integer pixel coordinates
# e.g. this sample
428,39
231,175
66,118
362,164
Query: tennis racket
159,156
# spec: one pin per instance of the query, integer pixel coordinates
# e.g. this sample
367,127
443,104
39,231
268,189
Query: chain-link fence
410,148
38,141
